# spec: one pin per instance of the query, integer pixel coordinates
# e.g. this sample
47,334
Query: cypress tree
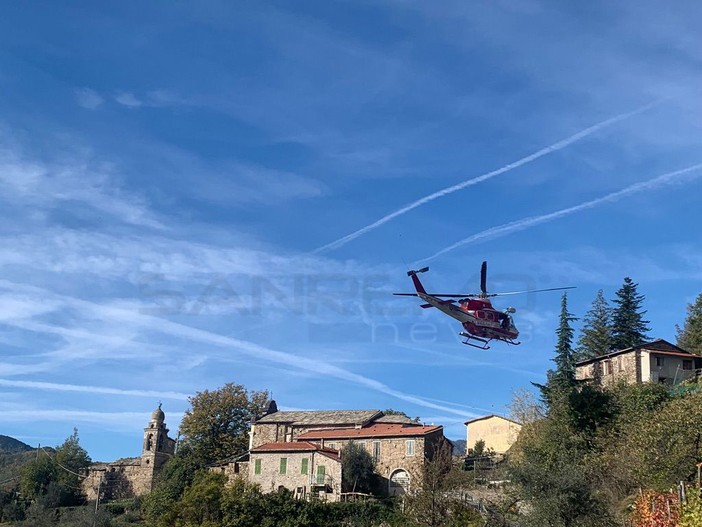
628,326
565,356
561,380
690,336
596,335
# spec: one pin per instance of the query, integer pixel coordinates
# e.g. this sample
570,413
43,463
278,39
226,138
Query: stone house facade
658,361
498,433
131,477
305,468
400,450
400,447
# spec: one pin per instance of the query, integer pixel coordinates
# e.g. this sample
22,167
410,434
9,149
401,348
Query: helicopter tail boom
415,279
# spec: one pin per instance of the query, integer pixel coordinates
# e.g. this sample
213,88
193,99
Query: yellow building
498,433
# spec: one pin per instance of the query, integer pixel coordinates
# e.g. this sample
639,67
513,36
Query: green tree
217,423
596,334
37,475
628,325
561,380
176,476
690,335
71,459
357,468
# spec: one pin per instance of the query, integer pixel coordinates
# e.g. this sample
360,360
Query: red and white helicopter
481,321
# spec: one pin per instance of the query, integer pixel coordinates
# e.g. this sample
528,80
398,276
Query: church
132,476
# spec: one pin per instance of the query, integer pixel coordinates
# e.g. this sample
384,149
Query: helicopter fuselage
477,316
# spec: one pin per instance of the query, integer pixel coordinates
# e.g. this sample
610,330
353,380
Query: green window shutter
305,465
321,471
257,466
283,465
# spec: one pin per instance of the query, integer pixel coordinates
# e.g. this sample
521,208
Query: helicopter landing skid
470,337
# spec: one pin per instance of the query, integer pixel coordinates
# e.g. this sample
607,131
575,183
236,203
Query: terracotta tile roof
322,417
298,446
375,430
489,416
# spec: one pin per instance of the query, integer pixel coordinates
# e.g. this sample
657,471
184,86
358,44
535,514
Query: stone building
400,450
498,433
303,467
132,476
658,361
287,449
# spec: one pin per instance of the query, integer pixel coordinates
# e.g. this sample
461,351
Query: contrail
39,385
507,168
128,317
525,223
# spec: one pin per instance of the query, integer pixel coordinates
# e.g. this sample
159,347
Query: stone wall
270,478
117,480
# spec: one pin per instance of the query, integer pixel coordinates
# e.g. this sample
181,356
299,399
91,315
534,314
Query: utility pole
97,500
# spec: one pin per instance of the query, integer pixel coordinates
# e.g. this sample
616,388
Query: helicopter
482,322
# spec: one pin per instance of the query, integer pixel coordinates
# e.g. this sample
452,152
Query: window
620,363
608,367
283,465
409,447
376,450
687,365
304,467
321,471
257,466
331,445
659,361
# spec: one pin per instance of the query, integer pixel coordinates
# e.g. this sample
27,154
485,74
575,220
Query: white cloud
88,98
30,183
128,99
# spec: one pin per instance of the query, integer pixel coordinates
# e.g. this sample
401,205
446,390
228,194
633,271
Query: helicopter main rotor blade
469,295
531,291
483,278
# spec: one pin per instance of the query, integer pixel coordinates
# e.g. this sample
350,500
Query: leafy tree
37,475
201,503
628,326
176,476
433,504
596,335
216,425
550,467
390,411
357,468
71,459
690,335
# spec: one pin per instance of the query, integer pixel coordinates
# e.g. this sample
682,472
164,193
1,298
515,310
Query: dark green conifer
596,335
690,335
628,326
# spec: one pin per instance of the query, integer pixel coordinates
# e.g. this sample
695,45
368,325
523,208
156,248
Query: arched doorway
399,482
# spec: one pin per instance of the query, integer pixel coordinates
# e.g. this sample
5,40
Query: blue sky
229,192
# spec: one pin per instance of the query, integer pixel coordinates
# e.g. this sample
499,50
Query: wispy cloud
88,98
52,386
124,317
669,178
559,145
70,180
128,99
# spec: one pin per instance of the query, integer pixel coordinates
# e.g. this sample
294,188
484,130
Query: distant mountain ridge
11,445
